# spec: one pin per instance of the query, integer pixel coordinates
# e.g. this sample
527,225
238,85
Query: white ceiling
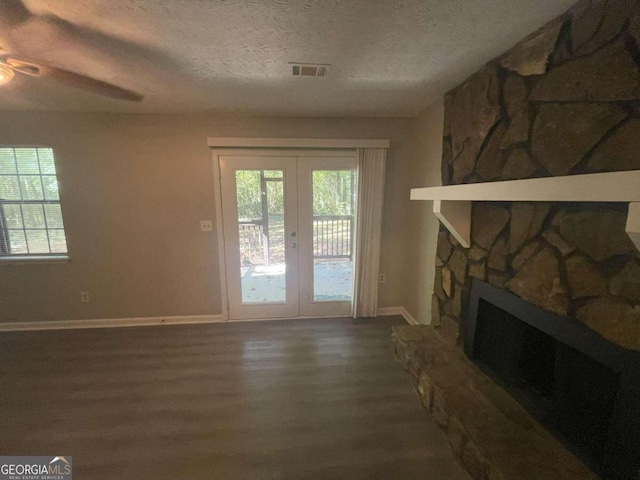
388,57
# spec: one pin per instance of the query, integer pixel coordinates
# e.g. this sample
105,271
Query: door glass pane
260,197
333,233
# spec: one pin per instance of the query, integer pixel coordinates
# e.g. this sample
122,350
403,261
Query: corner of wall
422,229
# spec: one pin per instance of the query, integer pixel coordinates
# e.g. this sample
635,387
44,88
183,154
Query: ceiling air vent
309,70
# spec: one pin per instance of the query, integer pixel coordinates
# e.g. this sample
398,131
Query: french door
289,227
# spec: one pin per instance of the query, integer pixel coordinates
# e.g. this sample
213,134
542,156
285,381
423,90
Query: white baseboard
110,323
388,311
409,318
155,321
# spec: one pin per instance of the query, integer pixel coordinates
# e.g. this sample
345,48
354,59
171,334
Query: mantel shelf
452,204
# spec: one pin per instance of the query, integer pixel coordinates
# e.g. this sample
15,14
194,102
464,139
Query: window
30,214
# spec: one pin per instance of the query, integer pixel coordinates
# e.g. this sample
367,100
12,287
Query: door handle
294,245
293,234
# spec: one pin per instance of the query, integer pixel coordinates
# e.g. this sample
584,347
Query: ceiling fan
13,14
9,66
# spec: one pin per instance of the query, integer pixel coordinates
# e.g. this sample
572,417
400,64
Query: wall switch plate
206,225
85,297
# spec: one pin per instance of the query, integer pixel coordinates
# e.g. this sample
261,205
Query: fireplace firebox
580,386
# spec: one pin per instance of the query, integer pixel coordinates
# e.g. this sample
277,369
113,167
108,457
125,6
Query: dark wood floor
266,400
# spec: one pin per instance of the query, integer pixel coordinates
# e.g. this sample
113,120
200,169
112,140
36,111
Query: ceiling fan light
6,74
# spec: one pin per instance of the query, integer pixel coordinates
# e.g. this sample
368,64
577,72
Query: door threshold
270,319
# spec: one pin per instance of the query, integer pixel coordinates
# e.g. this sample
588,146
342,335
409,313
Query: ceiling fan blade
71,79
13,12
90,84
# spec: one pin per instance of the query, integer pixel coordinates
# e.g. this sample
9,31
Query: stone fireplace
564,101
573,260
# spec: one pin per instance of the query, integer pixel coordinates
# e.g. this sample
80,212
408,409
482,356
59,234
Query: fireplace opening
577,384
568,392
583,407
537,363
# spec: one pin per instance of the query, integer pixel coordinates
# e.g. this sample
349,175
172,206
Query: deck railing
252,244
332,238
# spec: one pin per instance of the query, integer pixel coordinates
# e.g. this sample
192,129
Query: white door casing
297,166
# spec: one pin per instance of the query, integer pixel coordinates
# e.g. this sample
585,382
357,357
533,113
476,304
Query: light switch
206,225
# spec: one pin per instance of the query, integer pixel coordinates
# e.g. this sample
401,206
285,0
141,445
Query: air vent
309,69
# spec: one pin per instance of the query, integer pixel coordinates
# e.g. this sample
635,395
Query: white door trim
222,266
332,148
243,142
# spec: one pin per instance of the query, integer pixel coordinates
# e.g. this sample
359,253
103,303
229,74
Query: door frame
280,151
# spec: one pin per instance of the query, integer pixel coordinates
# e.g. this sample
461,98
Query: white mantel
452,204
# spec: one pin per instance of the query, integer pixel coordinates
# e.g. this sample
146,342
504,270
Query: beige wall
134,189
423,171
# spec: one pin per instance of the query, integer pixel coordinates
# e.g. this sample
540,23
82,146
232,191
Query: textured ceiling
388,57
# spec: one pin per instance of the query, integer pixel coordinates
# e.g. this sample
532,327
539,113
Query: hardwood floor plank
319,398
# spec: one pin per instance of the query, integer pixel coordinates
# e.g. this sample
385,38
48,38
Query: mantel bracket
456,216
633,223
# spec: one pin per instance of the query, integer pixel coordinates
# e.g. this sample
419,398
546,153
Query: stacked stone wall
564,101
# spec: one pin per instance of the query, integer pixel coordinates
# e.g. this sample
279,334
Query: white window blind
31,223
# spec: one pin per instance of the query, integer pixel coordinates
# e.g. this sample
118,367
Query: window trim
35,258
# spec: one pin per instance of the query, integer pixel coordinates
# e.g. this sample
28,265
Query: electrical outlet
206,225
383,278
85,297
